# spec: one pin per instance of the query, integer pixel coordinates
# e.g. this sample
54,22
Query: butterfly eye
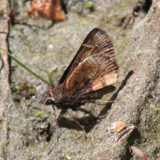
49,101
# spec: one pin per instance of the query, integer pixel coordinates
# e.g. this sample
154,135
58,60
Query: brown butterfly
92,70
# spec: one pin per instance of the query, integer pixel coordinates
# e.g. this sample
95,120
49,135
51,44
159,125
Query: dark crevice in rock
142,5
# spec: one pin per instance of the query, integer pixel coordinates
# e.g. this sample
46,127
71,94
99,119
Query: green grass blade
50,77
25,67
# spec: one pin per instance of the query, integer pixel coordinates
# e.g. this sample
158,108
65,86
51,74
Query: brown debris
49,9
116,127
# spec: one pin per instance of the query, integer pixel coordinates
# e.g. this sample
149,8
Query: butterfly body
92,72
61,100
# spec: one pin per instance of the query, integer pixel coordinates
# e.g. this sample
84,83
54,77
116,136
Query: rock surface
33,133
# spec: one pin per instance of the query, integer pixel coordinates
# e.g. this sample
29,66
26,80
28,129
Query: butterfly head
49,98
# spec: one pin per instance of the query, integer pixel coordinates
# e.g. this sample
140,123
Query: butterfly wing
93,68
94,44
94,73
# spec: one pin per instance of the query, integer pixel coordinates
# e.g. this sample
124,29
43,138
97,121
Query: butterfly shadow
88,122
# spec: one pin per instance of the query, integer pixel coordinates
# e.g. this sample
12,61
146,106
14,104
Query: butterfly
93,69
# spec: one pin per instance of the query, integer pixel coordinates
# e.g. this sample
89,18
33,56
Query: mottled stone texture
137,46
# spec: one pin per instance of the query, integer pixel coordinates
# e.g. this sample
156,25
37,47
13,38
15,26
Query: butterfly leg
100,102
85,111
105,102
57,118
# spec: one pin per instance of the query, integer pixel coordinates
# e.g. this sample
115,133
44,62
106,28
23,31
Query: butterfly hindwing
94,73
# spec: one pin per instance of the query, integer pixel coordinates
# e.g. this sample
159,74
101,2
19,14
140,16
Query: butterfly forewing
94,66
96,42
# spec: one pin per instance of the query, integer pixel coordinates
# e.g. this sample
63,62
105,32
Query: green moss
38,114
29,104
31,91
89,4
7,141
49,112
8,127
